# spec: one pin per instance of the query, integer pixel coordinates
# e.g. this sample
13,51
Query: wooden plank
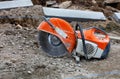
65,4
15,3
74,15
111,1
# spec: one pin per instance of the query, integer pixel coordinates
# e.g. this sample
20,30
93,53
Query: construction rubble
22,58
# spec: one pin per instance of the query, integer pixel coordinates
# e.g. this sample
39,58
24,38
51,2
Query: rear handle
100,30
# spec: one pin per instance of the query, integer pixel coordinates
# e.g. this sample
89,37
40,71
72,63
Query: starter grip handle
100,32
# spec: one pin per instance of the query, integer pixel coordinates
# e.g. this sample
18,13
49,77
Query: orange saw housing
70,41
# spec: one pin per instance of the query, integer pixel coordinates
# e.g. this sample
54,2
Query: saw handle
100,31
47,20
83,40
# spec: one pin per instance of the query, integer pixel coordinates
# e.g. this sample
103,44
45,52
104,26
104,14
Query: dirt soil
22,58
26,16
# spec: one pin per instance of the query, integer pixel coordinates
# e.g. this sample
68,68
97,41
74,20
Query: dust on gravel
22,58
20,55
110,64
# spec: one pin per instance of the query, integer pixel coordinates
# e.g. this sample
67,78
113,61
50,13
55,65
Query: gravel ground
21,58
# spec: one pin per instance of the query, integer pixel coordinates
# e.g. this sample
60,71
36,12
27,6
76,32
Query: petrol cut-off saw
57,38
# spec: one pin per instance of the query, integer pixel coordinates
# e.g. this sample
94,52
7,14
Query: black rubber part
51,50
83,41
106,52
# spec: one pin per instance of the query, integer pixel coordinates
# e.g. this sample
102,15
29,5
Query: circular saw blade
50,46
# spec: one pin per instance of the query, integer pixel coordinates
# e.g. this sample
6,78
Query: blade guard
69,41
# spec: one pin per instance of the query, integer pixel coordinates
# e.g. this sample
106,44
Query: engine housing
92,49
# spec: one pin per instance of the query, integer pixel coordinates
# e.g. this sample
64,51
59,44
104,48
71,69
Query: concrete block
73,15
116,16
15,3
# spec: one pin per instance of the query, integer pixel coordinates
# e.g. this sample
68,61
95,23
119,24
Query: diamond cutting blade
51,44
